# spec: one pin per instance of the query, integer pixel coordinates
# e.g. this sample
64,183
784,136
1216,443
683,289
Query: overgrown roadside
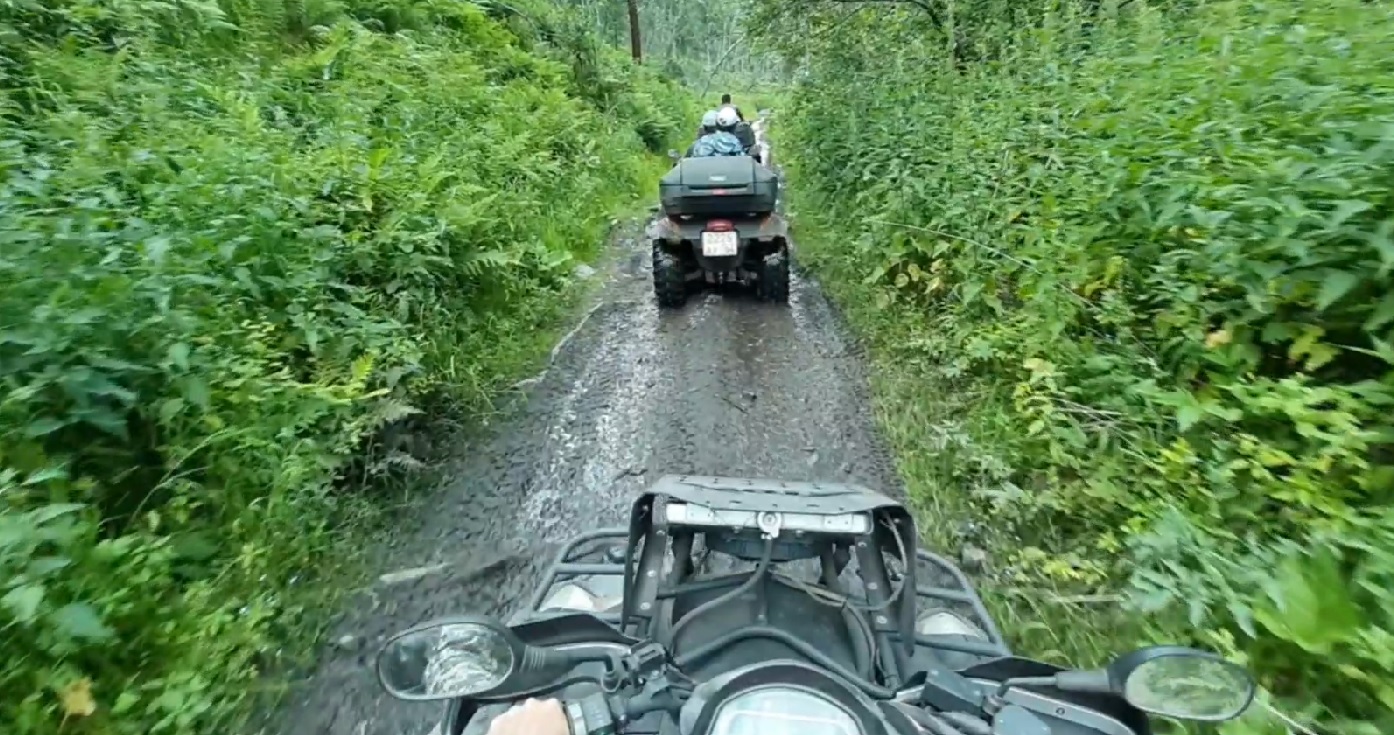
1126,273
238,240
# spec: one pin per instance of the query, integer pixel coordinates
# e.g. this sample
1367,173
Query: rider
741,129
708,123
722,141
726,102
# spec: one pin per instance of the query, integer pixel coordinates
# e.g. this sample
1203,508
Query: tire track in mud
728,385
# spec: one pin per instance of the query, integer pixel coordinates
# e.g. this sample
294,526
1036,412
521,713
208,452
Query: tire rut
727,385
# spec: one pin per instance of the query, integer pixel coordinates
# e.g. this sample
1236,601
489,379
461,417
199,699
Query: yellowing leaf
77,699
1218,338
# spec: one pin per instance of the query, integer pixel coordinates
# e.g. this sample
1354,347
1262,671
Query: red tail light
720,225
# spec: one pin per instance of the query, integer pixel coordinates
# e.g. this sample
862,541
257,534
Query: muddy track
727,385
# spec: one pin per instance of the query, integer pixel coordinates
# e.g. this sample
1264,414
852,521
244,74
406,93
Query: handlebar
595,714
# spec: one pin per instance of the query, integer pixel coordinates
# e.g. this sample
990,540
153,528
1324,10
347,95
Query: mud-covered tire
669,280
774,278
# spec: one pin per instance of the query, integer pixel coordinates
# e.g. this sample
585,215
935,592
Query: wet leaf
80,620
23,602
1335,286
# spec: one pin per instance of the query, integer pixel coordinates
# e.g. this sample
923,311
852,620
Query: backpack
720,143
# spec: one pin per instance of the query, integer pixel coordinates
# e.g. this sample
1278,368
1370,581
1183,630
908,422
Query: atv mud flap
763,229
686,236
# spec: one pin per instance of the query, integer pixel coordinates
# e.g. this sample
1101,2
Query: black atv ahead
717,224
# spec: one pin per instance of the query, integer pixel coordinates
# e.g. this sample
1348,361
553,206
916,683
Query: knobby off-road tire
669,280
774,278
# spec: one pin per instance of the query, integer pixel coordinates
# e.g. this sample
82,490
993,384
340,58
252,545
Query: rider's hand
533,717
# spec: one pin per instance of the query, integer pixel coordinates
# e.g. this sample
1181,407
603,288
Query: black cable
711,604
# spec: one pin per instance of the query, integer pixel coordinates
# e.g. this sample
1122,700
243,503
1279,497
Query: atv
731,606
717,224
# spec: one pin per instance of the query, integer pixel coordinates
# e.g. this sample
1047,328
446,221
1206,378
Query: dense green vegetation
1126,269
238,238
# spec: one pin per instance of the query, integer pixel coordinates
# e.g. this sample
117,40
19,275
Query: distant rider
722,141
726,102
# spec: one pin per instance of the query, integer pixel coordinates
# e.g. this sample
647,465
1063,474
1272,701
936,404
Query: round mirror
446,660
1190,686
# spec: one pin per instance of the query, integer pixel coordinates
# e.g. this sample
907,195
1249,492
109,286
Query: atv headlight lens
570,596
945,622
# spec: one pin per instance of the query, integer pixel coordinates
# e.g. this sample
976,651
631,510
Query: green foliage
1141,258
237,240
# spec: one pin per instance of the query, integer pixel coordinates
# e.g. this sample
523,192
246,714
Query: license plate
717,244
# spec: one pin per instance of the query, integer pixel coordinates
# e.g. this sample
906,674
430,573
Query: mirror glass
445,661
1190,688
673,154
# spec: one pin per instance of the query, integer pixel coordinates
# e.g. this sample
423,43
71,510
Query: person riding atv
723,141
708,125
741,129
726,102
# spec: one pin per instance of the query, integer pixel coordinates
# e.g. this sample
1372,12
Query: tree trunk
635,47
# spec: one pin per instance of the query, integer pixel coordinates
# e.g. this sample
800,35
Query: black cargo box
717,185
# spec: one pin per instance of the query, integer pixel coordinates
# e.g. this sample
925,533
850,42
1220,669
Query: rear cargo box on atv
718,185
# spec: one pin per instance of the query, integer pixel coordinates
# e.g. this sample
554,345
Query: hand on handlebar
532,717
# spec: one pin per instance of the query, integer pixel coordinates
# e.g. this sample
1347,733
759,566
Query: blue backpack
720,143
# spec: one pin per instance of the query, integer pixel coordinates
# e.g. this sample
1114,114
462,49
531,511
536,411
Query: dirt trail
726,386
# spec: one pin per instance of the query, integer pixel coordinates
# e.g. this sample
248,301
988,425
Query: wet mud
725,386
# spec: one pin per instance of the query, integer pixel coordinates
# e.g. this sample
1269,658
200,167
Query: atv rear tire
774,278
669,280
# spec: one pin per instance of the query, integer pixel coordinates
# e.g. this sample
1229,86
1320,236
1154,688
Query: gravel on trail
725,386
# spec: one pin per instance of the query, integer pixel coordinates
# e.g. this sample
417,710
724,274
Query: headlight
944,622
572,596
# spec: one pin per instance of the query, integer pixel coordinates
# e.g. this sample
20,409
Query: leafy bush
1142,257
236,240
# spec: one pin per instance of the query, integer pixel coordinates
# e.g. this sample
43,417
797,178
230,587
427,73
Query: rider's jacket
719,143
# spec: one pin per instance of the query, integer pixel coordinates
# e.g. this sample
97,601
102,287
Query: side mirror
674,155
472,656
1170,681
1184,684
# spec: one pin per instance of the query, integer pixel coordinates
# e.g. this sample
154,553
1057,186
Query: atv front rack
961,598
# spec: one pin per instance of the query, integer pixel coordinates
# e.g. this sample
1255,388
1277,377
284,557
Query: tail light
720,225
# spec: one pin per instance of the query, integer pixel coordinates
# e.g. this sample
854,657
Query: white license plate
717,244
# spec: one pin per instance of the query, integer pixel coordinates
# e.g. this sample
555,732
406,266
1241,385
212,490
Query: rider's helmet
709,120
727,118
